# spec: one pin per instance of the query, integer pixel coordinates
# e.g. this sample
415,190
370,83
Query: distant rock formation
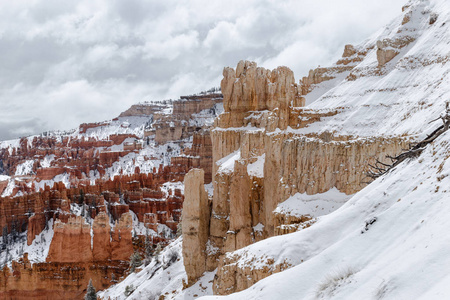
94,212
77,241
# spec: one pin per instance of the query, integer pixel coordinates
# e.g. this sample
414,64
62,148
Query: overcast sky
63,63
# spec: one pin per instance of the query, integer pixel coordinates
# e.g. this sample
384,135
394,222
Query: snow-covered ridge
402,96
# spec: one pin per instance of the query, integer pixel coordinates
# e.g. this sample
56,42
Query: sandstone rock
144,109
121,241
3,185
242,206
101,241
188,105
384,53
140,193
349,50
387,49
233,277
56,280
250,88
71,241
285,224
195,225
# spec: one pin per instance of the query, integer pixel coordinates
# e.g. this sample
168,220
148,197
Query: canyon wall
100,215
45,281
261,158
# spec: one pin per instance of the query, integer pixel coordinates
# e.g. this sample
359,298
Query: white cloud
67,62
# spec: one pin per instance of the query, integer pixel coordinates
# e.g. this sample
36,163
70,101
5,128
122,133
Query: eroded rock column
195,225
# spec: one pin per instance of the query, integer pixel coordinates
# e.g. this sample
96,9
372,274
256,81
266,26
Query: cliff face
56,280
78,253
74,242
261,157
93,245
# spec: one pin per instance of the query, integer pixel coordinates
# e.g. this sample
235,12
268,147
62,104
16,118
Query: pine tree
157,251
129,289
91,294
81,197
179,229
135,261
148,250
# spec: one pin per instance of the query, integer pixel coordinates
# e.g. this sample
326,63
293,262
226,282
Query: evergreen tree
14,230
157,251
148,250
81,197
179,229
129,289
46,221
91,294
135,261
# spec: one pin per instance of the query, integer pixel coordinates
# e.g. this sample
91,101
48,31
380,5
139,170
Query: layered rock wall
261,158
57,280
77,241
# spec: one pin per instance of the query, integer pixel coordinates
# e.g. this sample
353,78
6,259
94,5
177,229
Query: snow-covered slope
389,241
163,276
402,96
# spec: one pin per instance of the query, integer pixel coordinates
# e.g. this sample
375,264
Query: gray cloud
64,63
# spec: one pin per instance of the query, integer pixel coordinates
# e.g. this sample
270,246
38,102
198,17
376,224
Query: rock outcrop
77,241
57,280
236,277
71,242
261,158
250,88
195,225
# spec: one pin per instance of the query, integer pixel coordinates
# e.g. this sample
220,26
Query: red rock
71,242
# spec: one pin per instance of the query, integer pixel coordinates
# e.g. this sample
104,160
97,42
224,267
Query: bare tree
381,168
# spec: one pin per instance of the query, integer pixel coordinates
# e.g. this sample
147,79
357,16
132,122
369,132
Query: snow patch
226,164
25,168
257,168
313,205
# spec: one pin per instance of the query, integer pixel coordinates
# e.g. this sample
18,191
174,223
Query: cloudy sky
67,62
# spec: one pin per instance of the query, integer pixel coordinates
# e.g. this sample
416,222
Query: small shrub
333,281
135,261
172,257
381,291
129,289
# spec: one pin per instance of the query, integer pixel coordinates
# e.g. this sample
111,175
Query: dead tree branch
415,149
